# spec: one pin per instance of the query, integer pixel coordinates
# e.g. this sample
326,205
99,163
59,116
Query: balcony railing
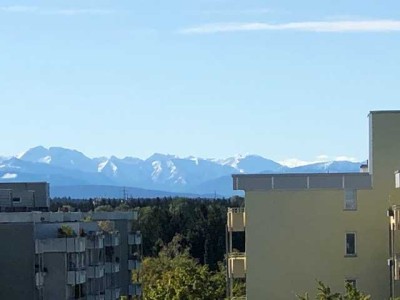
236,219
134,264
113,293
95,271
135,289
237,265
69,245
39,277
112,239
111,267
97,297
76,277
95,241
135,238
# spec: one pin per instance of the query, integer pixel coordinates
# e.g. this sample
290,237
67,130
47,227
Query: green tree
175,275
324,293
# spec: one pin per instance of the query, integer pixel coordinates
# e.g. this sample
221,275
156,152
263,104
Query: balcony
394,214
95,241
135,289
39,277
135,238
134,264
76,277
69,245
397,179
112,267
113,293
112,239
237,265
95,271
236,219
97,297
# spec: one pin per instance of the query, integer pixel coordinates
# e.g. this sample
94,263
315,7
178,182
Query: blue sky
210,78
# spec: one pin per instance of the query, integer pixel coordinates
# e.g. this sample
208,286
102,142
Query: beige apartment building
331,227
64,255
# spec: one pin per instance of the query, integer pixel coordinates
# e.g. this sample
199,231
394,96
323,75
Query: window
352,281
351,244
16,199
350,199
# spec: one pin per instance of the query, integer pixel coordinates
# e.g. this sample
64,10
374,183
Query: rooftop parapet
311,181
113,216
40,217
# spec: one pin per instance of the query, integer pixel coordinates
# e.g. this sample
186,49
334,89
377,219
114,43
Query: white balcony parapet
236,219
111,267
39,277
135,238
112,239
113,293
76,277
134,264
135,289
95,240
237,265
69,245
394,214
397,179
115,215
95,271
97,297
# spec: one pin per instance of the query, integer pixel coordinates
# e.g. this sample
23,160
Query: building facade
64,255
330,227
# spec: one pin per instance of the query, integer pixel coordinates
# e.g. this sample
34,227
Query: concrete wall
55,281
32,194
295,237
17,261
124,274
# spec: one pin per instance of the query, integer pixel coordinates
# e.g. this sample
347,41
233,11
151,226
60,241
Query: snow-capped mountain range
71,170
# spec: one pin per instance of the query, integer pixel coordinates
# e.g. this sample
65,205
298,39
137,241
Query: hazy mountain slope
104,191
159,172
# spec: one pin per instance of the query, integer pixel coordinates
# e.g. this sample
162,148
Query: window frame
14,200
354,200
355,244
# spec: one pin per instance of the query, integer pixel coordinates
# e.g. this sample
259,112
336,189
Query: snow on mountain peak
107,163
45,160
191,174
157,169
9,176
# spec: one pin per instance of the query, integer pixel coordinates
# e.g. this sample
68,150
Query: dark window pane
350,244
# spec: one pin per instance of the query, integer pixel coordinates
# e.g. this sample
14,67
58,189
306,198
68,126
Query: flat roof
384,112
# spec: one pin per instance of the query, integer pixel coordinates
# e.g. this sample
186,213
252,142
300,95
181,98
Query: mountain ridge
167,173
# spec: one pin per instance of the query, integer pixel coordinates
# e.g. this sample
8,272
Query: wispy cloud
250,11
18,9
323,26
45,11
